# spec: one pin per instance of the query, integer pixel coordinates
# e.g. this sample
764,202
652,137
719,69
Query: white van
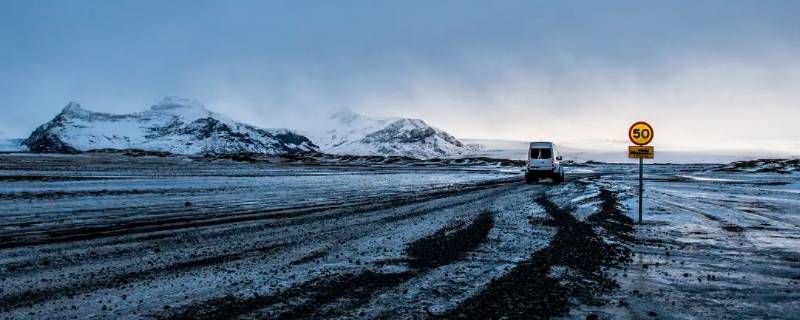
543,163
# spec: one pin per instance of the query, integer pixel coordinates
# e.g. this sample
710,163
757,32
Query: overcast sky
700,71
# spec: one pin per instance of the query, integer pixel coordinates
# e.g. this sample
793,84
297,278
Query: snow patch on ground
713,245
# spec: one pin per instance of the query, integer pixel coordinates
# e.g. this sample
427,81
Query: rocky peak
72,106
73,109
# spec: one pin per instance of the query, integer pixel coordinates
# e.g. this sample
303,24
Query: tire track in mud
53,178
209,210
445,246
55,195
534,289
102,281
730,205
722,223
321,298
194,221
164,211
42,262
35,296
358,287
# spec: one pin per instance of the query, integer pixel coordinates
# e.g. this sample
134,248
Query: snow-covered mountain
174,125
355,134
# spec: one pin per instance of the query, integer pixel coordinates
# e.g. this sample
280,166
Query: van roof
541,144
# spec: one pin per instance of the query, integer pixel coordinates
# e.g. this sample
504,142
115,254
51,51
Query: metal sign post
641,188
641,134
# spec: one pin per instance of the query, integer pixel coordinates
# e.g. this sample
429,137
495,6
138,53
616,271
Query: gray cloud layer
723,70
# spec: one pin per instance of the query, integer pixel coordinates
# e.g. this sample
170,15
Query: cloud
702,73
692,100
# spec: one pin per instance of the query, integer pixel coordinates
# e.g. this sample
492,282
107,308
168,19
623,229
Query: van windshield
541,153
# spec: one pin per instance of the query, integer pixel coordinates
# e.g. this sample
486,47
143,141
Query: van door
541,158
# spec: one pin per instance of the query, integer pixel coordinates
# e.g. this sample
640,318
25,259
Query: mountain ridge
174,125
354,134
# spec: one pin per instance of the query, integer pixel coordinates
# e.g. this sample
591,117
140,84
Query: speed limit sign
640,133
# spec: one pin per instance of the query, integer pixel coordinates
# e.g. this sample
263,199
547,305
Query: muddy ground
168,237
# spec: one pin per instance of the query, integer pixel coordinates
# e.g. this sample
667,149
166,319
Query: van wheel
557,179
529,179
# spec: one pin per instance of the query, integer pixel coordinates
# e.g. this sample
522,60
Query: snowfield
137,236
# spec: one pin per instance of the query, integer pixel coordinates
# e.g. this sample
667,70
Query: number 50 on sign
640,133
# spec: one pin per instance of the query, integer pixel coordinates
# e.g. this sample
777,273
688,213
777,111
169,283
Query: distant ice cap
343,113
173,102
187,109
